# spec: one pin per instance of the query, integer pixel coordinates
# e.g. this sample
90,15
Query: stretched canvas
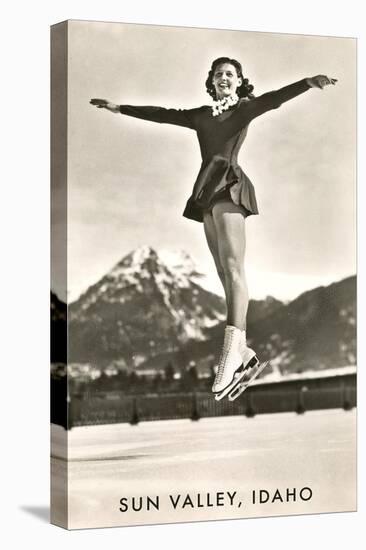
139,315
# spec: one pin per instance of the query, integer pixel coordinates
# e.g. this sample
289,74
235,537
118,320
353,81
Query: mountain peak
145,259
152,299
138,256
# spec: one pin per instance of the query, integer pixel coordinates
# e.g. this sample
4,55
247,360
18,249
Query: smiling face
225,80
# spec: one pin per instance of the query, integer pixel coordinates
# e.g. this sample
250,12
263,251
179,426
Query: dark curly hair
245,90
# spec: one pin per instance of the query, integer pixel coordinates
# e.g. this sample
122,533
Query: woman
223,196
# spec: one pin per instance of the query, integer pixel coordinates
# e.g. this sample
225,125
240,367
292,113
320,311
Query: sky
129,179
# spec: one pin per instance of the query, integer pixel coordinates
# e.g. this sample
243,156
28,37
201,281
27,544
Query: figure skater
223,196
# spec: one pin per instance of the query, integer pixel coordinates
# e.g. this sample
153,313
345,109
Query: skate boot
230,364
247,354
251,369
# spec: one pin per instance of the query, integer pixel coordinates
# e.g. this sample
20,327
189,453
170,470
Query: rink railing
290,396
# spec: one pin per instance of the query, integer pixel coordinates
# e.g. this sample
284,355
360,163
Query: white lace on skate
230,361
223,357
220,369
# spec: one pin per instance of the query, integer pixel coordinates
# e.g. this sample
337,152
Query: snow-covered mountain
152,309
150,303
315,331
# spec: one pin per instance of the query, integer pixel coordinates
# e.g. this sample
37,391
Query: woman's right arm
178,117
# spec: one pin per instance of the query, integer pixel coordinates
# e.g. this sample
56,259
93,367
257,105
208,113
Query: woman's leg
211,237
229,221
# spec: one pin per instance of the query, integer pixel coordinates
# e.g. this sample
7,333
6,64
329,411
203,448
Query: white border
25,272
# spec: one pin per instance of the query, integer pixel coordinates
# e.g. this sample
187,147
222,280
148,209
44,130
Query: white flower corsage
221,105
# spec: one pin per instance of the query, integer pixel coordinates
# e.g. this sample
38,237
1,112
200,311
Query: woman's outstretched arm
178,117
274,99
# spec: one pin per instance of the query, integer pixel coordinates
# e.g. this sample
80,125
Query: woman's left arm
273,100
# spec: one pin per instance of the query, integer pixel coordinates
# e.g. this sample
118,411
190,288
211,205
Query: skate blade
251,365
241,387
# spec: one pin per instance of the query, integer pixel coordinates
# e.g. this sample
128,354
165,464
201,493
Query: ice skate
244,383
230,369
242,375
247,354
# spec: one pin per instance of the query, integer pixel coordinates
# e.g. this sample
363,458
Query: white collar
221,105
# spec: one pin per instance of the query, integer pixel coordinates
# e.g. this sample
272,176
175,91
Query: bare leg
229,220
211,237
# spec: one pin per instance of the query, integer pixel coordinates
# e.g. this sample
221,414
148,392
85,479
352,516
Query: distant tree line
132,383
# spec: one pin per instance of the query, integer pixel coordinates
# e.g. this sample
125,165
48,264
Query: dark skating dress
220,139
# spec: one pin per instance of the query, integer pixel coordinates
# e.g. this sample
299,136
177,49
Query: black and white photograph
203,299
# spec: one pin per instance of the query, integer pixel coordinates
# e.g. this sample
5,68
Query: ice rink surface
218,462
